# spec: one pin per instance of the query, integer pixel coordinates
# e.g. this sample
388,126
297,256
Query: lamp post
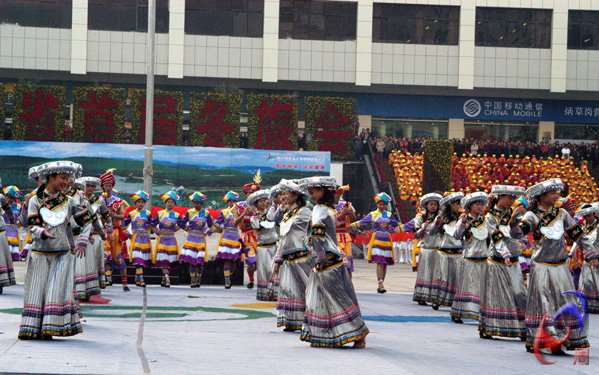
148,148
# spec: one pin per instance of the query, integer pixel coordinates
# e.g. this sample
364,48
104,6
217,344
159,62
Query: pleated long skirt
466,303
265,255
589,286
100,263
545,288
424,277
332,316
503,302
7,272
49,307
291,303
446,277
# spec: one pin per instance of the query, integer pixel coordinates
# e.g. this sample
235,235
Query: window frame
318,19
229,17
501,30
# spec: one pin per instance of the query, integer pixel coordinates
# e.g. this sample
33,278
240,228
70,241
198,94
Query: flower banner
214,119
98,115
39,113
168,117
2,110
272,122
437,166
332,124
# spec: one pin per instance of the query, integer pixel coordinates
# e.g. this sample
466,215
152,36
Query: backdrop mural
213,171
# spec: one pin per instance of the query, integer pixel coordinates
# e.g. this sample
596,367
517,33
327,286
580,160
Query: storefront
501,131
408,128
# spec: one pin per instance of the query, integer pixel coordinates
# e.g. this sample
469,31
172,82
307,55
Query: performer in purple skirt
139,233
230,244
198,222
167,222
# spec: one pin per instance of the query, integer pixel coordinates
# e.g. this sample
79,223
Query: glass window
511,27
417,24
126,15
577,131
318,20
241,18
583,29
408,128
501,131
56,14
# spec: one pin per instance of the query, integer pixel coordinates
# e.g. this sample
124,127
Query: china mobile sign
503,108
547,341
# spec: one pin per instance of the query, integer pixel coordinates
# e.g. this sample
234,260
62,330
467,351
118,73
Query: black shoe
435,307
227,285
126,289
485,336
0,290
46,337
251,285
422,303
381,290
457,320
530,349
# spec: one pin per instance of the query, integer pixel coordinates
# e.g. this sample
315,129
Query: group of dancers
73,247
470,249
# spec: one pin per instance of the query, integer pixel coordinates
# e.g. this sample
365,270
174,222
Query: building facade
487,69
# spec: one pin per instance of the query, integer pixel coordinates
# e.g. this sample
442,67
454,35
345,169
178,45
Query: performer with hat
7,273
86,272
429,244
503,298
243,217
293,261
589,276
12,194
472,226
115,260
447,267
95,256
49,305
137,227
275,214
346,214
267,241
332,317
198,223
166,223
230,244
380,249
550,276
32,175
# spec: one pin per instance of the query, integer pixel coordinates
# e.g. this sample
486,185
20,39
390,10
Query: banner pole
148,149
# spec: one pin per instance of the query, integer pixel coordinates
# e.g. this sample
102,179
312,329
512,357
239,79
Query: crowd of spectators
383,146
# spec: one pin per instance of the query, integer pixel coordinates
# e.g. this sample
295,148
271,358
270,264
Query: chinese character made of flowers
168,117
215,119
332,122
272,122
39,113
98,115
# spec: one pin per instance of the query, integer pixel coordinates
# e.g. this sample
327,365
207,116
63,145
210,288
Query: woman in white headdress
589,276
503,300
332,317
429,244
267,237
550,275
447,267
49,304
293,261
473,228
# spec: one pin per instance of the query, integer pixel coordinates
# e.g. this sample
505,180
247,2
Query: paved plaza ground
215,331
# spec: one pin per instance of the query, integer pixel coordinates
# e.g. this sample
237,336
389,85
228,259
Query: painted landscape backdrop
213,171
